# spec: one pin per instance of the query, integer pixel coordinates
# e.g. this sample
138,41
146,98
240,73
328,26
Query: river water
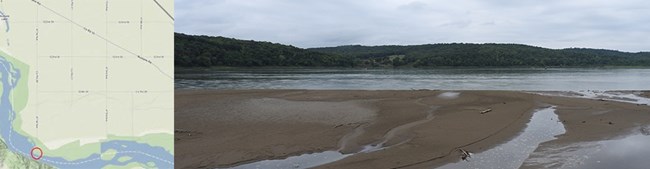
537,79
543,126
590,83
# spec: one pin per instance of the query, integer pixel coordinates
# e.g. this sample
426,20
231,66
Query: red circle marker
40,154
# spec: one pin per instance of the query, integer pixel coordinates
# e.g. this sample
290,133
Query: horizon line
441,43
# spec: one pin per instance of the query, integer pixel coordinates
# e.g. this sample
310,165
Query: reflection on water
301,161
630,97
448,95
543,126
619,96
630,152
406,79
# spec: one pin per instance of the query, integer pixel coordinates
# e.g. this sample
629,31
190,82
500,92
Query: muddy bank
225,128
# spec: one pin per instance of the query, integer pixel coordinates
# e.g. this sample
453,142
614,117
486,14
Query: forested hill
207,51
458,54
204,51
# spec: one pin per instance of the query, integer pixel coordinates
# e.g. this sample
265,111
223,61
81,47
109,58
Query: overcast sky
610,24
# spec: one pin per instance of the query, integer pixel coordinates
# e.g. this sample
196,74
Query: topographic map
86,84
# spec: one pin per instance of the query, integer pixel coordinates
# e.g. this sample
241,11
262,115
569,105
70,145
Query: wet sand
225,128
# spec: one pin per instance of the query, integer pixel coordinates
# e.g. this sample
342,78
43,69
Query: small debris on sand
645,130
464,154
181,131
486,111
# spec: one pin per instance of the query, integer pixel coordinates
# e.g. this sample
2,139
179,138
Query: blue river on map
16,142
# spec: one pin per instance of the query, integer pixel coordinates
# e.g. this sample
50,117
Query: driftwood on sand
464,154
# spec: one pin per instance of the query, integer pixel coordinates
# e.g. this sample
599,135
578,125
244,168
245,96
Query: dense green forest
206,51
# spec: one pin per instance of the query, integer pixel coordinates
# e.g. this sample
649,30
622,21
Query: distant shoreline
206,51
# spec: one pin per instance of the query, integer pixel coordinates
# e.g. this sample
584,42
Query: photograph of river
412,84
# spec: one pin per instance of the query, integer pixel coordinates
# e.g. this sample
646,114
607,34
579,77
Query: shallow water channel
628,152
543,126
301,161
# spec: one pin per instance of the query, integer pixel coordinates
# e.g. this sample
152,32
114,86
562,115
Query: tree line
207,51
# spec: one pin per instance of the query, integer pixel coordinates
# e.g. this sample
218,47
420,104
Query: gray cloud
621,25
